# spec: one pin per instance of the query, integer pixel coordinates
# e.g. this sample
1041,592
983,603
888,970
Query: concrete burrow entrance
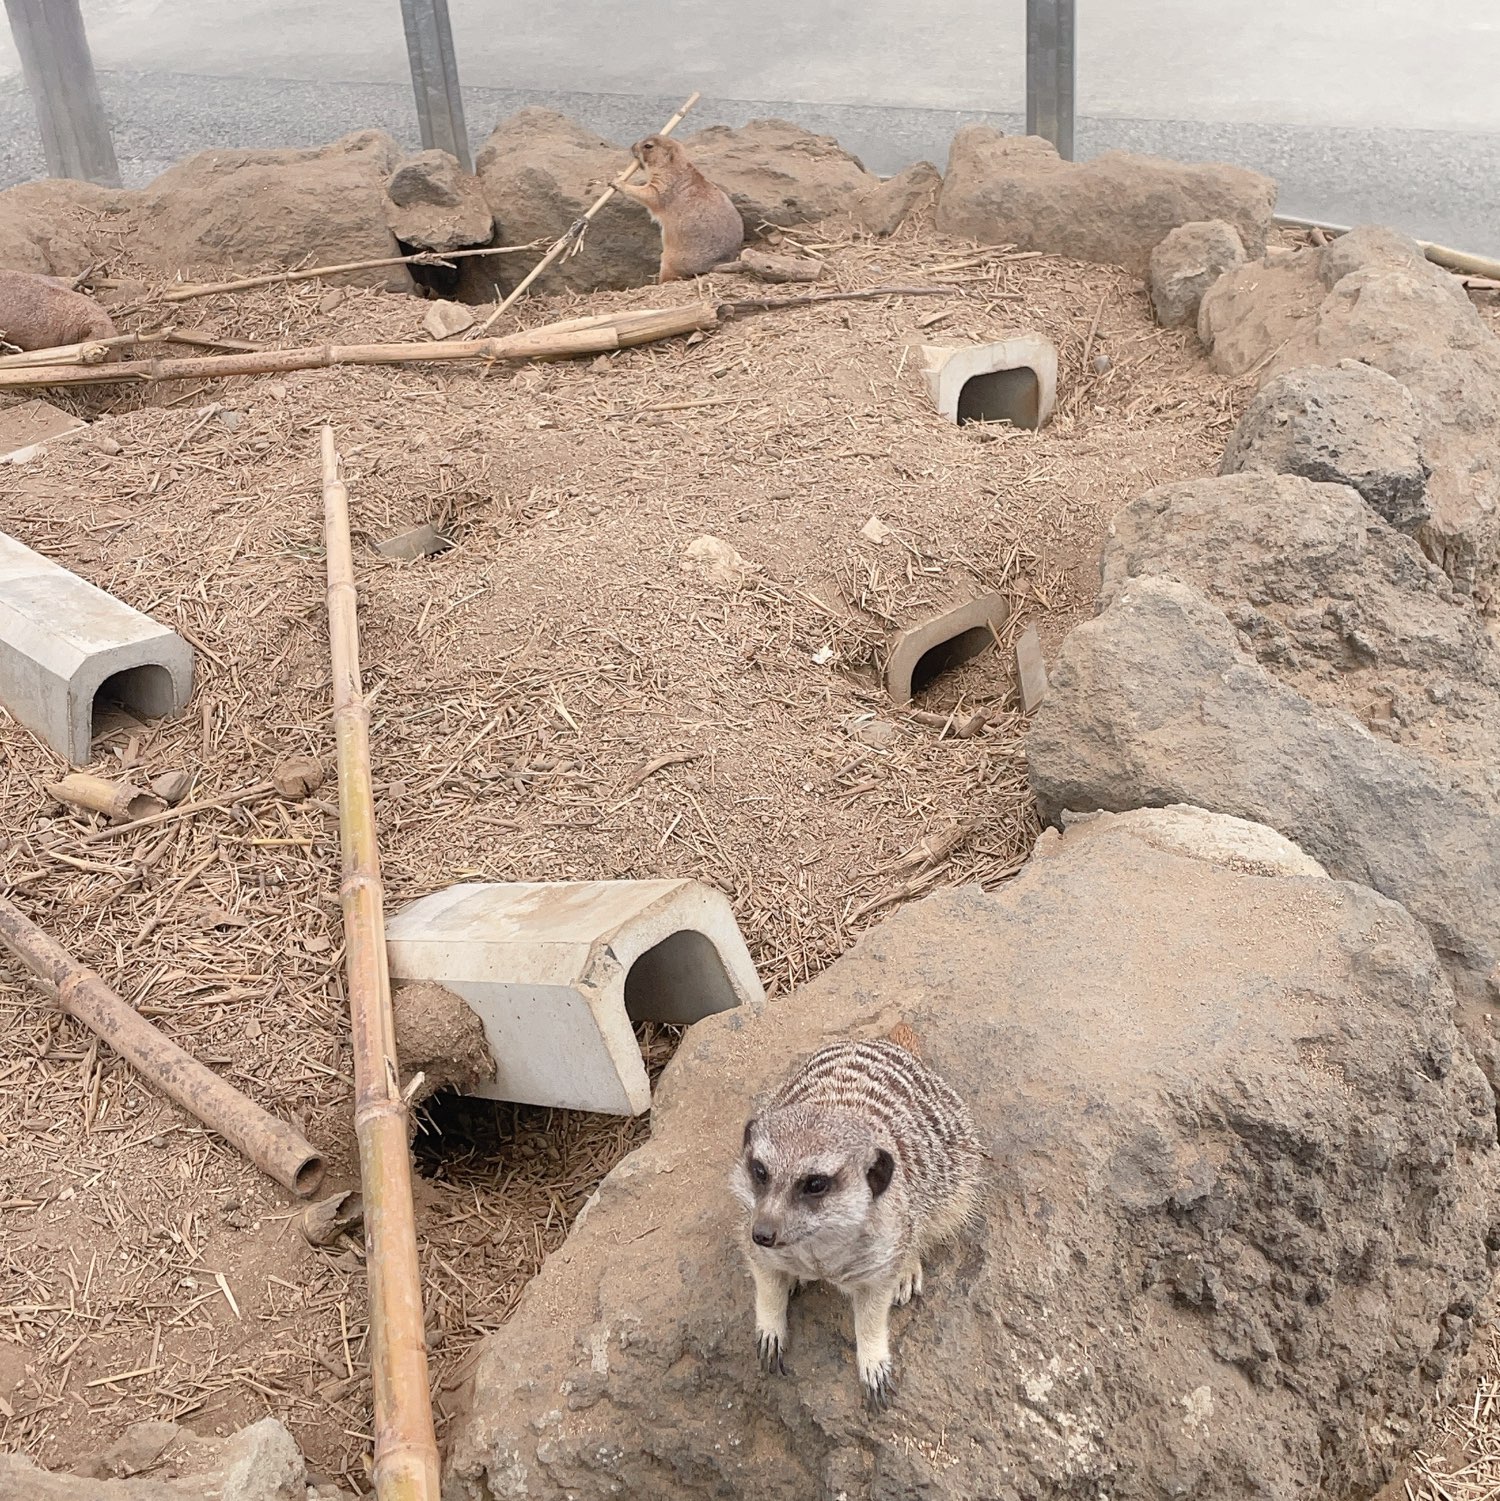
1011,380
67,649
558,974
940,643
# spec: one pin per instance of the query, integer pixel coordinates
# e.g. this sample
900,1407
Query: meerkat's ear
749,1127
878,1175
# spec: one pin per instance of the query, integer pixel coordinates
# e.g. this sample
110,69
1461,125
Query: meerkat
861,1163
42,312
700,227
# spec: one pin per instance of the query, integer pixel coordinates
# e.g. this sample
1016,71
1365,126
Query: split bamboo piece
272,1145
116,800
93,351
575,230
406,1460
599,334
310,273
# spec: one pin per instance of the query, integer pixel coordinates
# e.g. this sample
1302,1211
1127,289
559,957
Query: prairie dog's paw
910,1285
770,1345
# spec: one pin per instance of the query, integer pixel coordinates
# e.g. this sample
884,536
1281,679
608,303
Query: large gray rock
1155,702
887,207
433,204
1186,264
780,175
1371,296
540,171
268,210
157,1461
1347,424
1115,208
1234,1239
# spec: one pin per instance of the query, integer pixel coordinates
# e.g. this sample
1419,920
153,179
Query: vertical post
59,75
1050,33
434,78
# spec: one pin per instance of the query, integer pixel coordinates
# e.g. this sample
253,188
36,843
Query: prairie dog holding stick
42,312
700,227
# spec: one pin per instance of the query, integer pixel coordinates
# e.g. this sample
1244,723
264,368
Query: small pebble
1102,363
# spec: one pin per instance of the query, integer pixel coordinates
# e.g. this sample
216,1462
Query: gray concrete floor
1362,109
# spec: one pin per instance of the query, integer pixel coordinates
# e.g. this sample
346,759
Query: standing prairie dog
700,227
41,312
860,1163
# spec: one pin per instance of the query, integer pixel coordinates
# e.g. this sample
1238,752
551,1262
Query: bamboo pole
116,800
310,273
1461,262
575,230
573,337
272,1145
406,1462
94,351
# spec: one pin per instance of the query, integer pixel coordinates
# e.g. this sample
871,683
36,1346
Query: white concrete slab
559,971
1008,380
62,640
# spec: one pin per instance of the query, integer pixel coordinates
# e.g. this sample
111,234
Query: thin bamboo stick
310,273
571,338
406,1460
272,1145
83,354
570,237
1463,262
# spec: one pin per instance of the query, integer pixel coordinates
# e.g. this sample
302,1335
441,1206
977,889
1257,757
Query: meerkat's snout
763,1234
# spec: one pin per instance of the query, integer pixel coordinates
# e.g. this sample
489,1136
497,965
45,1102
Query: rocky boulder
1115,209
886,208
433,204
1156,701
780,175
1186,264
263,210
540,171
1348,424
1235,1236
158,1461
1371,296
57,227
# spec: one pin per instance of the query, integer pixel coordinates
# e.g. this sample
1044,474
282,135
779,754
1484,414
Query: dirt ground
521,684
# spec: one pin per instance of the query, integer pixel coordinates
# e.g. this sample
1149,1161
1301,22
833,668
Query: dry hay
553,698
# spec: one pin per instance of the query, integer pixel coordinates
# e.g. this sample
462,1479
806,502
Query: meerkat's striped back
928,1125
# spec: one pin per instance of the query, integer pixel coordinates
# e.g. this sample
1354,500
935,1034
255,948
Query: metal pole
59,75
1050,33
434,78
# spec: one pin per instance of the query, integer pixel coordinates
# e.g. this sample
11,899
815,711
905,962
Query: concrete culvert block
940,643
67,647
1011,380
558,972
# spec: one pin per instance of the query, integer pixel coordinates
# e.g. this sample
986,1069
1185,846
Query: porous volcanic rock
433,204
1186,264
1348,424
1157,701
1234,1239
1372,297
1115,208
263,210
888,206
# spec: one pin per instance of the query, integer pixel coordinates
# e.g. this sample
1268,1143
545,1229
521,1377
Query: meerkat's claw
879,1387
771,1348
910,1285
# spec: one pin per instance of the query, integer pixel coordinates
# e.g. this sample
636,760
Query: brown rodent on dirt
700,227
41,312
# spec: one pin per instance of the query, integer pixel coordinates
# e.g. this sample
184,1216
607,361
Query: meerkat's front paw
877,1383
770,1345
910,1285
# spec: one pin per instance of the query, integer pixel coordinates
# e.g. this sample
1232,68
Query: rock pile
1234,1239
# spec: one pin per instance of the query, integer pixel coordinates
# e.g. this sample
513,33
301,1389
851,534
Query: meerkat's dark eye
758,1171
816,1186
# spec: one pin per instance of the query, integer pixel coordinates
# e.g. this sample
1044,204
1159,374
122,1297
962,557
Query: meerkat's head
810,1178
656,151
